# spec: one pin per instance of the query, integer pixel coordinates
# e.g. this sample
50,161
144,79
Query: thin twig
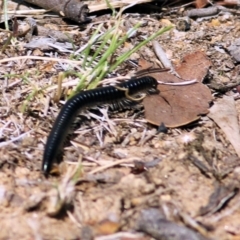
41,58
112,164
179,83
3,144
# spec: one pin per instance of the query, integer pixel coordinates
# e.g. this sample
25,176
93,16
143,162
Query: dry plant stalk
77,10
72,9
93,7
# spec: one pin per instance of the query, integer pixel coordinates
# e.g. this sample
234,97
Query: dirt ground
120,178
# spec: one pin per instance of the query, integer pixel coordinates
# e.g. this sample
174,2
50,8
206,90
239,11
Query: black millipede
64,120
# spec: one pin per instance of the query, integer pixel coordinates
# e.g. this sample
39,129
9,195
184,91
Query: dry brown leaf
194,66
179,105
176,105
224,114
144,64
201,3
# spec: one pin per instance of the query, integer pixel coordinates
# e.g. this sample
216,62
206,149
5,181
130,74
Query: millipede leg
126,90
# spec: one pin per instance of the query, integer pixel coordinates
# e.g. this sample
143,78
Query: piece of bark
152,222
28,28
46,44
203,12
201,3
72,9
218,199
57,35
224,114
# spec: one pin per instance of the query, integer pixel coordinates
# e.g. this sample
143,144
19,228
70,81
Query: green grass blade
125,56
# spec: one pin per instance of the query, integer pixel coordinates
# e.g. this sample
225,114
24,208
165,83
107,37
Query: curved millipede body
70,110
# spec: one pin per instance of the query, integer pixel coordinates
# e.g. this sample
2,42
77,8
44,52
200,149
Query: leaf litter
224,114
180,105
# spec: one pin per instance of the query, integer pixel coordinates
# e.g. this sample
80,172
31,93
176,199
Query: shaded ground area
119,173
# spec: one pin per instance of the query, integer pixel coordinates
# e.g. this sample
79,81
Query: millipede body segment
74,105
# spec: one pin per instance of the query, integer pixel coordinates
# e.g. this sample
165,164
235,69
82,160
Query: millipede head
153,81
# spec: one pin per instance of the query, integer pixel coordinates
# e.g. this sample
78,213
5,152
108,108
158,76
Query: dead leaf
228,3
144,64
224,114
180,105
201,3
46,44
177,105
152,222
194,66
